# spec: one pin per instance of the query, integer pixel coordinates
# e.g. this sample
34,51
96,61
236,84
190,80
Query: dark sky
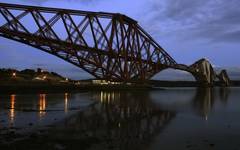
187,29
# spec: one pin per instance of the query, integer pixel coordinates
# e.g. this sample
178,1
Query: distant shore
63,87
40,80
23,87
158,83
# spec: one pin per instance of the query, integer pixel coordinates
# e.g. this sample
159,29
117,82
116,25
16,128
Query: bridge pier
203,72
223,78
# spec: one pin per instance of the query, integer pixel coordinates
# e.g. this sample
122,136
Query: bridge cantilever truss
109,46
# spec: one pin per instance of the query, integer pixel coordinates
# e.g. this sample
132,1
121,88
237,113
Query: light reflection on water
132,119
20,110
197,101
42,105
66,102
12,108
120,119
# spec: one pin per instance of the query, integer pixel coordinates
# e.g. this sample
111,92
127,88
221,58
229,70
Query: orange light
44,77
66,102
12,107
42,105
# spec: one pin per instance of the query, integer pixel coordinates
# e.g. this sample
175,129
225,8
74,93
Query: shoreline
26,87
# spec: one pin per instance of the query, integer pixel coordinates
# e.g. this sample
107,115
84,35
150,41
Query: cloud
213,20
183,9
191,19
230,37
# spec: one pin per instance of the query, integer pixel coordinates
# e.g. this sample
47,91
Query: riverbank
25,87
158,83
51,87
39,80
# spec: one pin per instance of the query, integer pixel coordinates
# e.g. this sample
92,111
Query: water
24,110
176,118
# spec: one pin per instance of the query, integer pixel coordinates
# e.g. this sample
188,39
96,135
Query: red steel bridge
109,46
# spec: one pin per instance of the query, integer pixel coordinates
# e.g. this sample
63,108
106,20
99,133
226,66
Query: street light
14,74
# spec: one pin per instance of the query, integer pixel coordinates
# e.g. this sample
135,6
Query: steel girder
109,46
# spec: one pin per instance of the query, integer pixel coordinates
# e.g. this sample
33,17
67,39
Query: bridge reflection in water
122,104
118,120
127,120
205,98
124,120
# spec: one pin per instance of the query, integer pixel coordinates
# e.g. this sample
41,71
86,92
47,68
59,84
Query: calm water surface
177,118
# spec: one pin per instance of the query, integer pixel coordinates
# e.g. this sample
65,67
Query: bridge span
204,73
109,46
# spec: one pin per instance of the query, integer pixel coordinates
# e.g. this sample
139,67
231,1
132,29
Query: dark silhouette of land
41,80
30,80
